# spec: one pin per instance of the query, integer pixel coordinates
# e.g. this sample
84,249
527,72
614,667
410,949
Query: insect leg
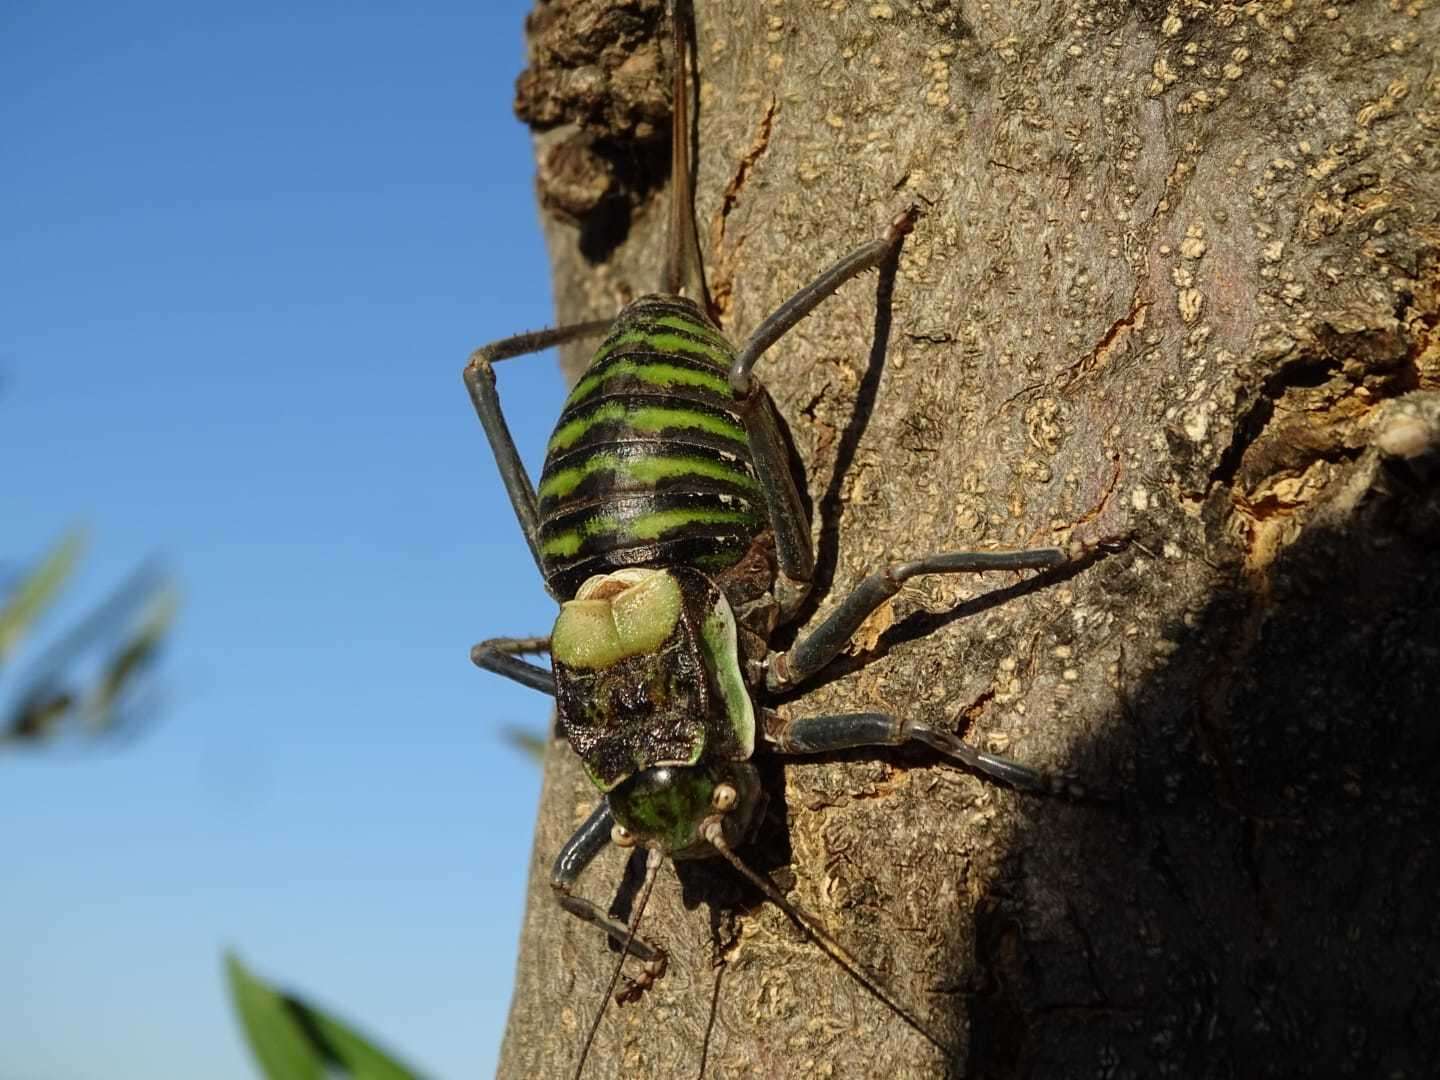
863,258
826,734
793,550
578,853
820,646
480,381
502,656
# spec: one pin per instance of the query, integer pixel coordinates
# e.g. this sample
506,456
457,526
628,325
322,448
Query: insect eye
724,798
620,836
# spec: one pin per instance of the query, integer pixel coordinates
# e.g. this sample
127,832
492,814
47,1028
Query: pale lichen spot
1193,246
1191,303
1196,422
1406,432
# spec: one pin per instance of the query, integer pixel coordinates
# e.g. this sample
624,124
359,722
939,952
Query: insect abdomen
649,463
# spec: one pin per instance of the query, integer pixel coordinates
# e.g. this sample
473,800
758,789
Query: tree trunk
1177,276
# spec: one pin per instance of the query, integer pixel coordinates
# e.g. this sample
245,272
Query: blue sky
248,248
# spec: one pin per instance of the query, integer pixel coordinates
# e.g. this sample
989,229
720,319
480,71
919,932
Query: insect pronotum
667,526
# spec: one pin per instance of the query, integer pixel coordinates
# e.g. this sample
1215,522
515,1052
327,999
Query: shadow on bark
1262,903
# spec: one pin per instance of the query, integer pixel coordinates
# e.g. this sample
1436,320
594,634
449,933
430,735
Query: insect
668,527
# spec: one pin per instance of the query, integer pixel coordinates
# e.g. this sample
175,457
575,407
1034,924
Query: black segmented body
649,464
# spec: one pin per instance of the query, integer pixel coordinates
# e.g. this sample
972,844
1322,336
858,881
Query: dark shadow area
623,906
636,171
1263,903
604,229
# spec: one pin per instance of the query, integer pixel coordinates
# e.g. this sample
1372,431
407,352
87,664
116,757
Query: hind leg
828,734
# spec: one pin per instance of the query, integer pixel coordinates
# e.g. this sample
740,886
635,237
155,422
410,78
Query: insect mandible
668,527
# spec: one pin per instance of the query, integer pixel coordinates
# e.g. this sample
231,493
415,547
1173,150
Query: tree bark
1177,276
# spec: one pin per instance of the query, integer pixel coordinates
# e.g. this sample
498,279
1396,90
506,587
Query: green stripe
650,418
693,326
666,343
646,470
649,526
655,372
564,545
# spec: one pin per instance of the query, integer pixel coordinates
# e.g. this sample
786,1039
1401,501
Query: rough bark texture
1178,274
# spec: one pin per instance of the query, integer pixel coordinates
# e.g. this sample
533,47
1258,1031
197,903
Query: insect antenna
837,952
653,858
683,272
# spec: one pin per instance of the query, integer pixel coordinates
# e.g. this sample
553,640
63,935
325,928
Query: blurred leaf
132,659
138,615
37,590
37,715
292,1040
280,1047
527,742
348,1049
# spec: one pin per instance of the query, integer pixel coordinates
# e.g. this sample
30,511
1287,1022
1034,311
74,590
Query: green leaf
293,1040
280,1047
38,591
347,1049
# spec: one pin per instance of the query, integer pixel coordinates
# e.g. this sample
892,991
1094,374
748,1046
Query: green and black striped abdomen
649,463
